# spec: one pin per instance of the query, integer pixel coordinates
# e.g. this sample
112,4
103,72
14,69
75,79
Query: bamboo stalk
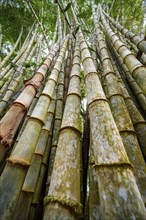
137,40
111,162
23,48
39,23
59,25
16,80
57,125
137,119
30,183
10,122
135,67
121,116
63,199
135,87
68,67
21,157
12,51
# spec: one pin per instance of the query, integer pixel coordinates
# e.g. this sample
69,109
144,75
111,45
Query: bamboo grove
73,129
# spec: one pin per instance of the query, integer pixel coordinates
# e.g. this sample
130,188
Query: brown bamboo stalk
10,122
20,159
63,199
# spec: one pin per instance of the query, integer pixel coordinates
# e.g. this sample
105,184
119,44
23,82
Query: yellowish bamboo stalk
57,125
29,186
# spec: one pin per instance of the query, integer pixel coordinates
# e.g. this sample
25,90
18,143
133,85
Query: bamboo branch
39,23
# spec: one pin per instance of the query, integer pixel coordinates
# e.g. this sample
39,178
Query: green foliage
16,13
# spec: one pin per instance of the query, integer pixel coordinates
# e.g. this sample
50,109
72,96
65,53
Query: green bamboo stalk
21,157
8,150
135,67
59,25
12,51
135,87
137,40
136,118
94,206
5,73
121,116
63,199
118,192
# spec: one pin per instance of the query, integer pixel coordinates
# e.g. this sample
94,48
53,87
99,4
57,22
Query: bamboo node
113,165
77,207
18,162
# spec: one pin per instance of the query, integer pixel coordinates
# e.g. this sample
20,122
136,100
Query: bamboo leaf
76,30
86,31
91,49
67,7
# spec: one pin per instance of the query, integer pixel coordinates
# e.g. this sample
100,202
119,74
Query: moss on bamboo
108,148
